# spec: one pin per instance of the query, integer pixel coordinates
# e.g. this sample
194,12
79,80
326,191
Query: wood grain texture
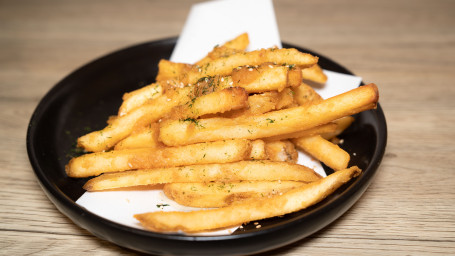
406,47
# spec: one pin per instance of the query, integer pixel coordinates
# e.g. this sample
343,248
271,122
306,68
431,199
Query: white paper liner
215,22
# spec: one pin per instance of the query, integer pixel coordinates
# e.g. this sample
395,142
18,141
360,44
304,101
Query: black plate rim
69,208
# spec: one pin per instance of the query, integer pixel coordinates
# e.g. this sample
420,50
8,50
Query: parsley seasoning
161,206
192,120
206,84
191,102
270,120
206,67
75,151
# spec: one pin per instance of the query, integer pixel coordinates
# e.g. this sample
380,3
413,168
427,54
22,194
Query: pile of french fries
223,134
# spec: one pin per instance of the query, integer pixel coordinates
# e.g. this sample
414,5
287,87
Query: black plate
83,101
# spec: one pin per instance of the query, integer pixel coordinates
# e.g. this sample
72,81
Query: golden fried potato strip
119,128
264,102
222,172
321,129
266,77
286,99
225,66
233,98
258,150
139,97
146,137
305,95
325,151
238,44
251,210
281,150
221,194
120,160
168,70
257,104
314,74
273,123
342,124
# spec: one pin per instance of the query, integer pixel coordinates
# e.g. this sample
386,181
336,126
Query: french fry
226,172
265,102
111,119
217,102
257,104
258,150
251,210
216,53
281,150
286,99
139,97
120,160
305,95
225,66
294,76
121,127
273,123
325,151
238,44
222,194
265,77
256,79
208,85
314,74
321,129
168,70
147,137
342,124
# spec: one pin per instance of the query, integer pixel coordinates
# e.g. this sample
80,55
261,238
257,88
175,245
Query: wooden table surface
406,47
